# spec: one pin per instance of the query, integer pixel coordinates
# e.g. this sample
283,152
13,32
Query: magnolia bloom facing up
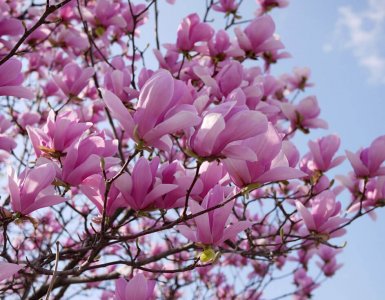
211,227
11,80
368,161
8,269
138,288
33,189
323,219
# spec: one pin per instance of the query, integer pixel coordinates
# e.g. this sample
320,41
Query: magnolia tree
181,181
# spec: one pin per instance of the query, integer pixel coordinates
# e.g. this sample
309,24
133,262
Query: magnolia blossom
324,217
142,189
222,130
211,227
8,269
321,154
11,79
160,111
73,80
138,288
258,37
368,161
33,189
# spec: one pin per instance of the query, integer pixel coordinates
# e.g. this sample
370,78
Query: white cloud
363,32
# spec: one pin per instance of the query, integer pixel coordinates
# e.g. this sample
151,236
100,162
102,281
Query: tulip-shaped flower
33,189
222,130
138,288
6,142
323,219
142,189
368,162
84,157
304,115
271,163
211,227
227,79
160,111
192,31
176,174
11,79
329,263
94,187
8,269
57,135
321,154
258,37
268,5
226,6
73,80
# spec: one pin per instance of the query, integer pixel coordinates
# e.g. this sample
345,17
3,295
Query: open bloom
162,109
258,37
8,269
222,130
212,228
6,142
84,156
57,135
191,31
138,288
74,79
142,189
94,187
270,164
321,154
304,115
33,189
11,79
368,161
324,217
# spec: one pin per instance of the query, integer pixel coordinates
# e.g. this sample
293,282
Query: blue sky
342,42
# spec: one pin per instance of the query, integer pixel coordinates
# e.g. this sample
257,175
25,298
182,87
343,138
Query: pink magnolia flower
142,189
33,189
138,288
118,81
192,31
258,37
226,6
57,135
11,79
8,269
211,227
304,283
268,5
368,161
321,154
73,80
174,173
137,10
94,188
162,109
7,143
304,115
105,13
329,263
298,80
83,158
10,26
228,78
324,217
222,130
270,165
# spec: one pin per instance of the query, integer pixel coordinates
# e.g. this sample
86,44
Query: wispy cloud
363,32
